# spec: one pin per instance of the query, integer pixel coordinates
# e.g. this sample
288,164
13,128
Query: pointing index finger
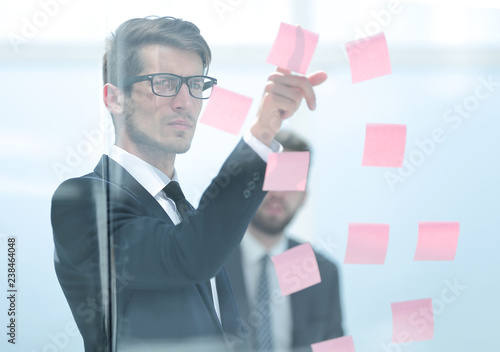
301,83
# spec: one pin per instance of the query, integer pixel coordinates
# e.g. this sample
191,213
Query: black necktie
174,192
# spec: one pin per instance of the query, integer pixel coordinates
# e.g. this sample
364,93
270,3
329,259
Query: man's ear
113,99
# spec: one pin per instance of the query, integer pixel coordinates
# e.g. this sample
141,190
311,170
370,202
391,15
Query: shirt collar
150,177
252,250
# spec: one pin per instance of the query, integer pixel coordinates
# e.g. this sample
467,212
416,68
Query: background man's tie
264,334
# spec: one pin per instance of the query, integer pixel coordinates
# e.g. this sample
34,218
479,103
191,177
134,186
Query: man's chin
181,146
271,229
176,146
179,149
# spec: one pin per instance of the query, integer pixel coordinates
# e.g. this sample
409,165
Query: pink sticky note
340,344
437,240
367,244
286,171
226,110
293,48
384,145
412,321
368,58
296,268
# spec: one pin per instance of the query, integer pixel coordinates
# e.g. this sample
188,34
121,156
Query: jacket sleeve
152,252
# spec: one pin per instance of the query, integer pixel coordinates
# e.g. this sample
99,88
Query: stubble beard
270,225
149,145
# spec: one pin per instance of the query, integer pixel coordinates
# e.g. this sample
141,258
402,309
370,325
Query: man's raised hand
282,97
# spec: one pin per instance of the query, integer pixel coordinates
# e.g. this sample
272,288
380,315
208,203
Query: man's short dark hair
122,57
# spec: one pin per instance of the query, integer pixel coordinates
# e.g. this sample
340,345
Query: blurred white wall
54,126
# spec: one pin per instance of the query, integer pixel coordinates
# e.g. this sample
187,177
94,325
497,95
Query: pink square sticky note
437,240
296,268
384,145
412,321
293,48
286,171
368,58
367,244
340,344
226,110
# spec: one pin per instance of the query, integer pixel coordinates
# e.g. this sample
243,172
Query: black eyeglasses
168,84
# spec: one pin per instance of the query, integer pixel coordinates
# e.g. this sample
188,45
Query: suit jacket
113,240
316,313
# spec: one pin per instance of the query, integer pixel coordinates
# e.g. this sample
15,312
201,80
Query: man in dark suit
293,322
141,269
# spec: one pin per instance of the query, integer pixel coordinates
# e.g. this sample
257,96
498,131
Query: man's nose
182,100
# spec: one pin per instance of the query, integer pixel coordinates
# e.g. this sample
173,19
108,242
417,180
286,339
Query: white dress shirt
252,252
154,180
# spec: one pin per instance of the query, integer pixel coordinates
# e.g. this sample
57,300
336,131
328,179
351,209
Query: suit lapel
299,311
228,309
236,339
113,172
208,300
235,269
